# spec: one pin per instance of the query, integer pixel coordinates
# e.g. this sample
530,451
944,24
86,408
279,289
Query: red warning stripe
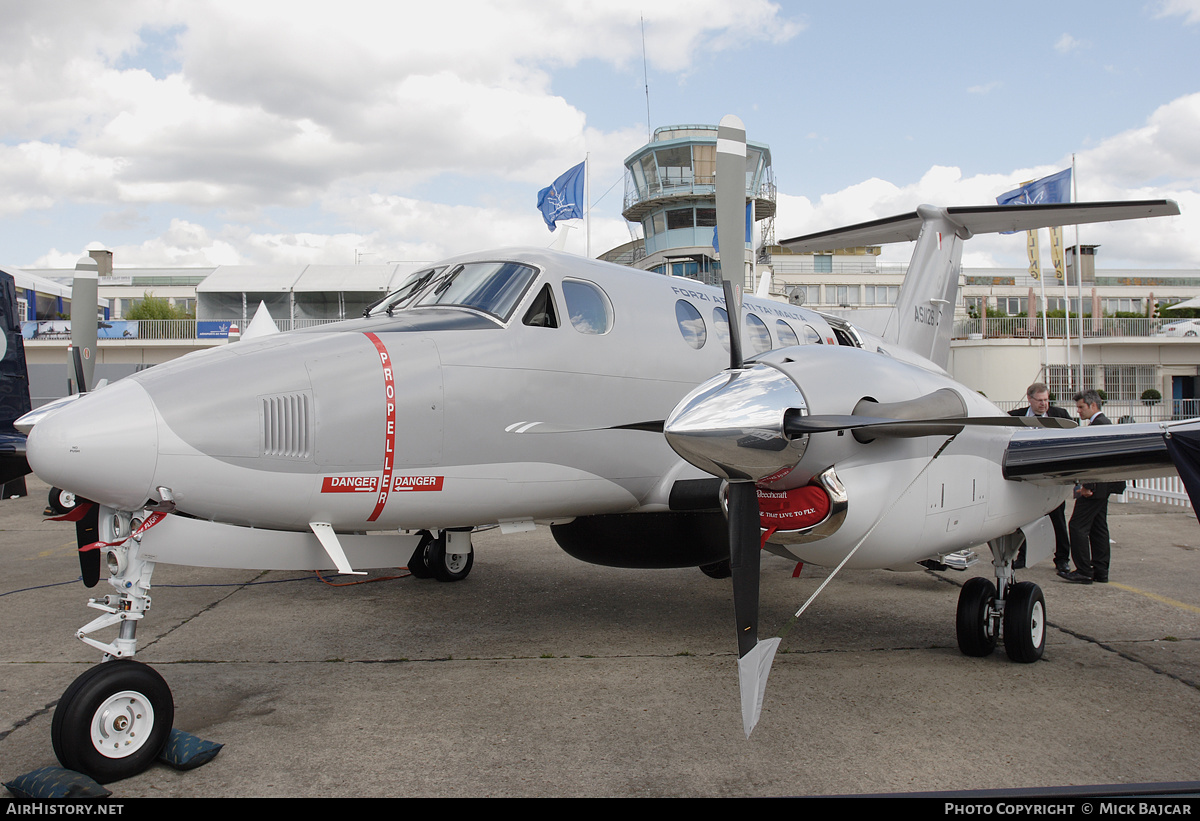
389,439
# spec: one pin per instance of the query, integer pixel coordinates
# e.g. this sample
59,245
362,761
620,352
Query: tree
154,307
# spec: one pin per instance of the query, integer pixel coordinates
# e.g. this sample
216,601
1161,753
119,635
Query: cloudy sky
256,132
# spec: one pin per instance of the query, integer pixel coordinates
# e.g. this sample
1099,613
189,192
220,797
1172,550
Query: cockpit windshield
493,287
404,295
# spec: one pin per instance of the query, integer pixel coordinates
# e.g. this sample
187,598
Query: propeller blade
797,425
731,222
754,657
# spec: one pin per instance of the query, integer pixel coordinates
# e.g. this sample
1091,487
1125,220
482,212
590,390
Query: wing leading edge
1106,453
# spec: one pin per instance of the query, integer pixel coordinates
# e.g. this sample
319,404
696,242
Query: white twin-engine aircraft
522,387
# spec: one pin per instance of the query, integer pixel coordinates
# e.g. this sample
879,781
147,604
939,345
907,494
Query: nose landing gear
115,718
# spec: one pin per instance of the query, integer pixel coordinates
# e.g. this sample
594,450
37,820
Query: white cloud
274,102
1066,44
1189,10
1160,160
984,88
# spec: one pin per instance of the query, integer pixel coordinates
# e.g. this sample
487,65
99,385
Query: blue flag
563,198
1055,188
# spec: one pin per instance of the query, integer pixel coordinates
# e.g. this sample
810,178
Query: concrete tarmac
542,676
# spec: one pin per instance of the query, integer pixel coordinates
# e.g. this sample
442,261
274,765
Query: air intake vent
285,426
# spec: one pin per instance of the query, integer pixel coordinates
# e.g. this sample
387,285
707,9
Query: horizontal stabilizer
980,219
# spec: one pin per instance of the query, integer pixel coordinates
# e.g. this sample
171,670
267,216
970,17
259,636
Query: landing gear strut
1015,610
114,720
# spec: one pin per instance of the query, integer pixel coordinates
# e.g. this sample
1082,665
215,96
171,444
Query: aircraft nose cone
103,447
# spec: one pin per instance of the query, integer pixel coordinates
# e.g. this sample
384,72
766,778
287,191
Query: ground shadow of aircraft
523,387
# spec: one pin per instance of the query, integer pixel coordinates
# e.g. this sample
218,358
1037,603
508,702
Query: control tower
670,188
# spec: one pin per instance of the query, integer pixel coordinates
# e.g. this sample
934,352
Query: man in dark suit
1038,397
1089,520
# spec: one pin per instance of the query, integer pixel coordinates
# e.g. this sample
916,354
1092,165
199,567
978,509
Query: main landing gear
114,720
447,557
1015,611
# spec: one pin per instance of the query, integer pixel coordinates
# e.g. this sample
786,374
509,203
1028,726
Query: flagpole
587,199
1045,320
1078,270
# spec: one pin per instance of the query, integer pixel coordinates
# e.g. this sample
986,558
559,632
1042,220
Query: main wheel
62,501
448,567
1025,623
418,565
976,637
113,721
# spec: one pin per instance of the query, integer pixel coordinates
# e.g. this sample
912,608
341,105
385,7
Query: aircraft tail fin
923,317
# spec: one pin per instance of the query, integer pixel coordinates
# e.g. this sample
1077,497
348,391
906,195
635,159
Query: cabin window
757,334
541,313
721,327
492,287
787,336
587,306
811,336
691,324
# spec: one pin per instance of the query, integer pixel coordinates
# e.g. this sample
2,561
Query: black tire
418,565
113,721
448,567
1025,623
62,501
975,637
717,570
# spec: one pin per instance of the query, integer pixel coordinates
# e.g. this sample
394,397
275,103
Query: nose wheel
113,721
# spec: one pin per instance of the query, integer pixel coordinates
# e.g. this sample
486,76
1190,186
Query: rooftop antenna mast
646,78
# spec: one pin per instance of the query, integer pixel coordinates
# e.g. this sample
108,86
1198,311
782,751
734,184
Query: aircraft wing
1098,453
980,219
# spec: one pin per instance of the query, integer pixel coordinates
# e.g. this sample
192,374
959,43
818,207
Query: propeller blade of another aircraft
87,531
754,657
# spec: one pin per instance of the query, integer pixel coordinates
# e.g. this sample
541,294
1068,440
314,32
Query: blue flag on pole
563,198
1055,188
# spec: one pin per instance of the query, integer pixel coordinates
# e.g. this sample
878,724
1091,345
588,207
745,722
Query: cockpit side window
541,313
492,287
587,306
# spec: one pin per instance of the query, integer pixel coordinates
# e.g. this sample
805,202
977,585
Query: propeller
754,657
